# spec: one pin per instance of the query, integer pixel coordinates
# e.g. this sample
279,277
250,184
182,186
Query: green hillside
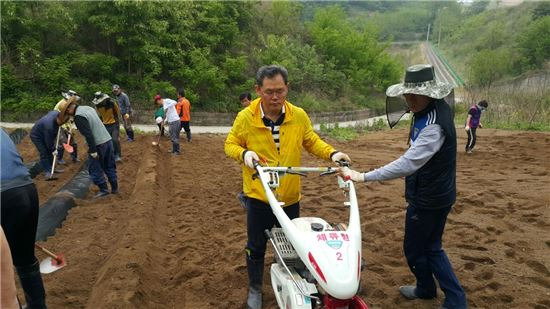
213,49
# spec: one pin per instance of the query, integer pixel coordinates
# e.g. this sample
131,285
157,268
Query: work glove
467,128
94,155
126,116
249,158
347,173
340,156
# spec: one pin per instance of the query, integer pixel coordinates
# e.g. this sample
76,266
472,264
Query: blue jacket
433,186
13,172
124,103
45,130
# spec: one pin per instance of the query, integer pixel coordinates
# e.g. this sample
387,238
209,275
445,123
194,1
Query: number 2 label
339,256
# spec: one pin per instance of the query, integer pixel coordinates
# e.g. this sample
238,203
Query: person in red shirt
184,111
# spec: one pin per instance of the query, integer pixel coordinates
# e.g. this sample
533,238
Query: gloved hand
54,153
467,128
249,156
346,172
94,155
339,156
126,116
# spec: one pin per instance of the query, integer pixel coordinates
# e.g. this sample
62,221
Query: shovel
157,143
55,156
67,146
52,263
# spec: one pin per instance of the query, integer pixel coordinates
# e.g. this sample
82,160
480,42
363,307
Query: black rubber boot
131,134
31,282
103,191
255,279
114,187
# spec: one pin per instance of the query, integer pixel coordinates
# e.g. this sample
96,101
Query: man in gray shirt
100,145
126,111
429,166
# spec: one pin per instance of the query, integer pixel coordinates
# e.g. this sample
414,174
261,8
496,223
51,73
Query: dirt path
174,236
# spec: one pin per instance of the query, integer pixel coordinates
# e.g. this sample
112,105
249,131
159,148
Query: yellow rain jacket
296,132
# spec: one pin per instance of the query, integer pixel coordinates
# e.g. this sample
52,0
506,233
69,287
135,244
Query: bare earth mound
174,236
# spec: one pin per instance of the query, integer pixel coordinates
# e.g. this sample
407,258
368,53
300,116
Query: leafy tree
356,53
487,66
211,48
535,42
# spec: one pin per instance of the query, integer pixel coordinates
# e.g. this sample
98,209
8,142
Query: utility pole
428,35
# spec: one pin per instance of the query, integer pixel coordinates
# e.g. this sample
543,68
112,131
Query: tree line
211,48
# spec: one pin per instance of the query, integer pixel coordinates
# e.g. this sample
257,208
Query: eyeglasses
271,93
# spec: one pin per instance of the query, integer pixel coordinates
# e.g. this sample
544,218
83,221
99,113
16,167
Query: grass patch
353,132
339,133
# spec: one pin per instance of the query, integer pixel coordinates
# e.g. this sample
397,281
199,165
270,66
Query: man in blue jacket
44,137
19,208
429,168
126,111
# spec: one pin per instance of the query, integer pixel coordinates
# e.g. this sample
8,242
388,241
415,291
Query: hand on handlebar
340,156
249,158
347,173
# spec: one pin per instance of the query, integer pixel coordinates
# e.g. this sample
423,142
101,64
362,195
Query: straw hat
420,79
99,97
63,116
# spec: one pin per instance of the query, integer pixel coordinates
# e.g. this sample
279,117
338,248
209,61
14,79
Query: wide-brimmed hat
99,97
420,79
63,117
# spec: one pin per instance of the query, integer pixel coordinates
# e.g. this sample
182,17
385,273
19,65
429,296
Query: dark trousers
46,156
471,139
185,126
62,140
19,220
19,209
175,128
104,164
161,128
426,258
259,217
128,127
114,131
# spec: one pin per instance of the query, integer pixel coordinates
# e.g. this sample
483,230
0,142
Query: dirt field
174,236
48,188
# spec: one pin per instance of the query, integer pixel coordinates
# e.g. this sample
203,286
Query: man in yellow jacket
276,131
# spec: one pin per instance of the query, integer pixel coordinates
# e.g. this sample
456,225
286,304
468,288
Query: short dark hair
483,103
271,71
181,92
245,95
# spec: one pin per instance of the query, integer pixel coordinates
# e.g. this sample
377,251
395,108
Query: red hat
157,97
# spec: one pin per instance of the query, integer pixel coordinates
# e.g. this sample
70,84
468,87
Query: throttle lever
289,171
329,172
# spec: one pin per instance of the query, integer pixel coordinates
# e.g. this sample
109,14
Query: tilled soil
174,236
